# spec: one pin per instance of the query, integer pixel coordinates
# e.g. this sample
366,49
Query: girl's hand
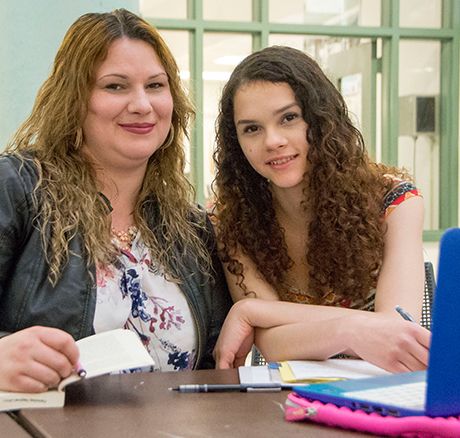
390,343
36,358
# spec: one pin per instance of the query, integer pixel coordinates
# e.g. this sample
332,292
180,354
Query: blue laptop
435,392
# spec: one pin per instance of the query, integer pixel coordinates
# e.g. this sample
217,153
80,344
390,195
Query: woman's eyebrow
123,76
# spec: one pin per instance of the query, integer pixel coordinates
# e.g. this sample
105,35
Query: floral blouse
134,294
402,191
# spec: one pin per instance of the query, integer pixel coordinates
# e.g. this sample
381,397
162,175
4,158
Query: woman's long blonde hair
66,194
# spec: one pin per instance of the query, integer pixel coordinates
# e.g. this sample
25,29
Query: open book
100,354
295,372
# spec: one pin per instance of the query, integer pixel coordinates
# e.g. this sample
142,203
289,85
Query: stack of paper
293,372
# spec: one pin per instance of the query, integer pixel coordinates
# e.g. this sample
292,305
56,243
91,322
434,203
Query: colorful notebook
301,409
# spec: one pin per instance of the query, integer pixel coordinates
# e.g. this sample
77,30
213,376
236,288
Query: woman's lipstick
138,128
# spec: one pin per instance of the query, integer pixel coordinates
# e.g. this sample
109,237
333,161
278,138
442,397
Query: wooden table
140,405
9,428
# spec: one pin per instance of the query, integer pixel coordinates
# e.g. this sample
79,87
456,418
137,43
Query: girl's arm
402,275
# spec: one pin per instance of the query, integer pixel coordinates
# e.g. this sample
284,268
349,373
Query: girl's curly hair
344,189
66,195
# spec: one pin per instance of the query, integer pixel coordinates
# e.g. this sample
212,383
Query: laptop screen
443,389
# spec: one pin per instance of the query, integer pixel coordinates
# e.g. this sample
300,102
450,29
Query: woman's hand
390,343
235,340
36,358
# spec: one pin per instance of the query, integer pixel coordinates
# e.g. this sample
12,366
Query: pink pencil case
301,409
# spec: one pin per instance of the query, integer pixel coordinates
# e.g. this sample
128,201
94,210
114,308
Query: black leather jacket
27,297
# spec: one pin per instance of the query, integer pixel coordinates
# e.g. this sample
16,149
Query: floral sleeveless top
134,294
399,193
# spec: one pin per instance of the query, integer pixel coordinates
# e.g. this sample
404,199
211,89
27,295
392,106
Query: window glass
222,52
420,13
326,12
418,145
234,10
178,43
163,8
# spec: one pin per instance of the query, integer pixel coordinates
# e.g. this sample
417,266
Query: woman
97,227
309,226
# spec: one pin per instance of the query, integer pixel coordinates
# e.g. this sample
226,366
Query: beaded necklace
124,239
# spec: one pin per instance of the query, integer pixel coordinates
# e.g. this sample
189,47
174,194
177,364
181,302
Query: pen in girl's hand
407,316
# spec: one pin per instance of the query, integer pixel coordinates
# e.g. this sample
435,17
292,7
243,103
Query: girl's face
130,107
272,133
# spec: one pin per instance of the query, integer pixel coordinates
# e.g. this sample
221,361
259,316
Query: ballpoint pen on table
265,387
407,316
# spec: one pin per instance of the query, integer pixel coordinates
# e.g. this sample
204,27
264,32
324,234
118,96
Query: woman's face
130,107
271,132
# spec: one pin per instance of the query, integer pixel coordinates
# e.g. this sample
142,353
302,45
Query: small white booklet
103,353
301,372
